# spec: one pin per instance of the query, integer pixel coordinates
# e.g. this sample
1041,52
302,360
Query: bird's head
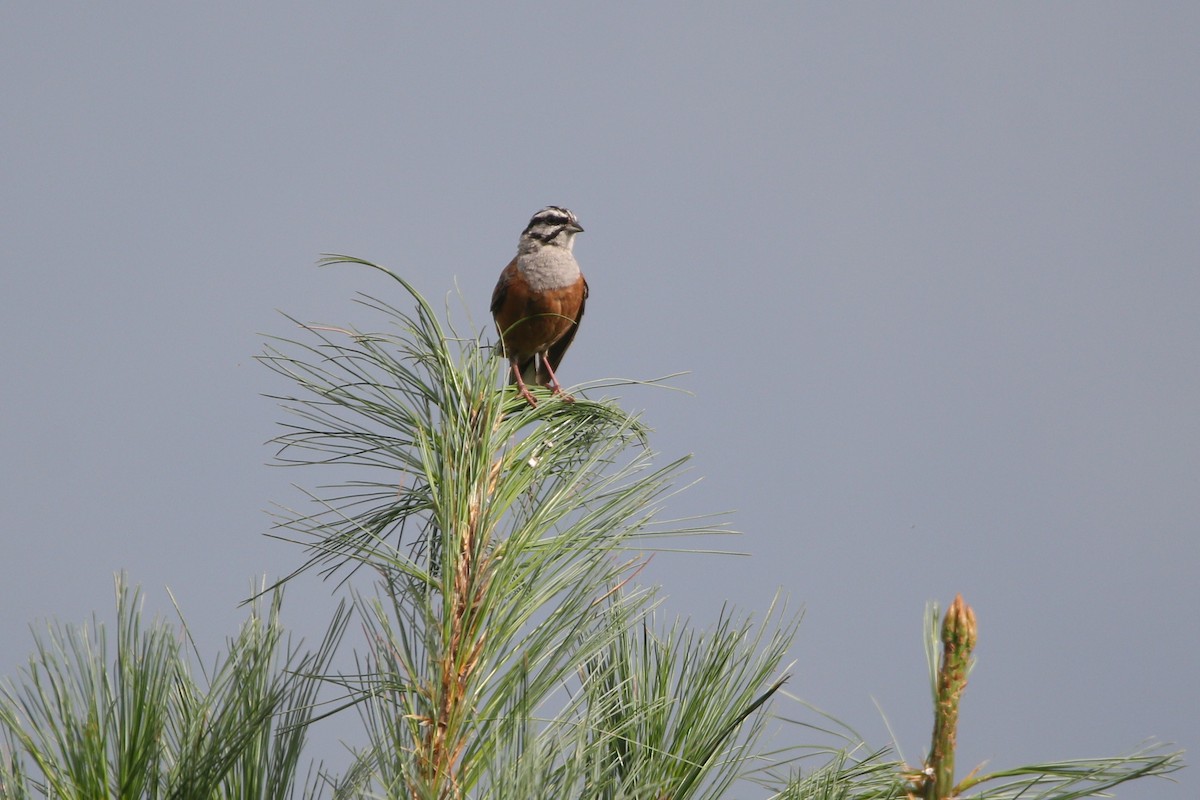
553,225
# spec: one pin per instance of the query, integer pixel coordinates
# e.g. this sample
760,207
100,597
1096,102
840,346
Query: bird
538,302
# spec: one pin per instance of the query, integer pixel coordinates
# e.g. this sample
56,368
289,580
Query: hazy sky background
934,270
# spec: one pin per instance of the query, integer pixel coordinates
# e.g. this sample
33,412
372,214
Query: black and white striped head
553,225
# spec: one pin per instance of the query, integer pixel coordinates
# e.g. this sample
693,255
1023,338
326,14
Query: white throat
548,266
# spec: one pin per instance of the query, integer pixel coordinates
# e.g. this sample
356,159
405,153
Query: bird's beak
575,227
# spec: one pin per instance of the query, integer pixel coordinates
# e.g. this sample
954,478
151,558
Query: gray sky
934,270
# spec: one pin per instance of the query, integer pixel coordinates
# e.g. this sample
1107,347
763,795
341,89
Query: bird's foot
528,395
555,386
520,383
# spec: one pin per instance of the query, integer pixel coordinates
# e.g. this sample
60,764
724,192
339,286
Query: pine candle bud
958,629
958,640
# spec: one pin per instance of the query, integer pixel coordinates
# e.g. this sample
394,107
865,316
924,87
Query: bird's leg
521,387
555,386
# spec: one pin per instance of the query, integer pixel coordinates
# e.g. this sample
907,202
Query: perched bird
539,299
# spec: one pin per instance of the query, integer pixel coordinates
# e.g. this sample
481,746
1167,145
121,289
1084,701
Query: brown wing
506,303
555,354
501,291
